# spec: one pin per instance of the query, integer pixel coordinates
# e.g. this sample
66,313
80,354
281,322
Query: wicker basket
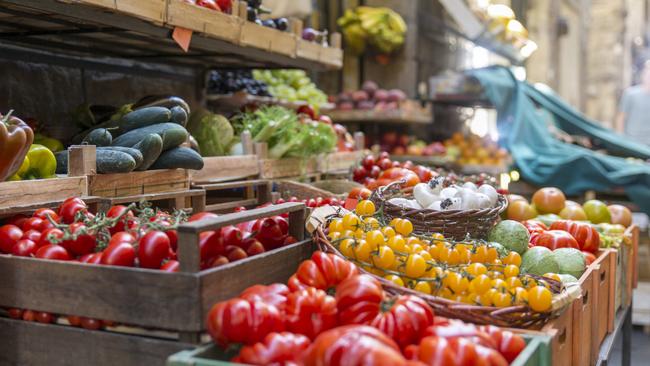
332,189
455,224
519,316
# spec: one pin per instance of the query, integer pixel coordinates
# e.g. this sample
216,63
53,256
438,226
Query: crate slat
226,168
136,183
254,35
211,23
561,331
150,10
29,192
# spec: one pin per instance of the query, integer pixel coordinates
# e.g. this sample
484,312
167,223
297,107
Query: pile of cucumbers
146,138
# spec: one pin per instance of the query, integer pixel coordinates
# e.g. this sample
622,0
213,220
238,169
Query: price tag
183,37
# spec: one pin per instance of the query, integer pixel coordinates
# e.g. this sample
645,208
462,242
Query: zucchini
144,117
179,116
108,161
179,158
151,148
172,135
98,137
135,153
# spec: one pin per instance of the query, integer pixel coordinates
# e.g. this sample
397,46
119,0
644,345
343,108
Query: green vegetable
151,147
99,137
538,261
61,161
511,234
213,132
179,158
179,116
171,133
571,261
135,153
144,117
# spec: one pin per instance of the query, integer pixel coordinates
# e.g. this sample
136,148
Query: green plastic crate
536,353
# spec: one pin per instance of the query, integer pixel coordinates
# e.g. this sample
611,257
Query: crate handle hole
562,337
585,298
602,276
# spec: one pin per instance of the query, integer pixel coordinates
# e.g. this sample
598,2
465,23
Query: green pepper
40,162
51,143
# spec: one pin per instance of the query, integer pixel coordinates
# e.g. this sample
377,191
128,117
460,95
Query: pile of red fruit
370,97
379,171
313,202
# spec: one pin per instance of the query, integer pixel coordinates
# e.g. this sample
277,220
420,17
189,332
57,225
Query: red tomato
243,321
589,257
360,193
269,233
84,244
490,357
354,345
211,245
171,266
33,223
92,258
395,174
511,345
91,324
16,220
122,237
234,253
361,300
232,236
274,294
305,109
48,235
202,216
289,240
549,200
55,252
553,239
24,248
119,254
173,239
43,317
534,226
29,315
217,262
359,174
424,174
69,209
153,248
32,235
434,351
586,235
276,349
384,164
310,312
383,155
208,4
368,162
126,216
43,213
9,236
74,320
255,248
15,313
323,271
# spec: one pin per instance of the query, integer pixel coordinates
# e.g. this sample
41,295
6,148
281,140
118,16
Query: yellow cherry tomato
425,255
512,258
393,222
554,276
397,243
499,284
492,255
454,257
445,292
476,269
336,225
480,284
415,266
513,282
465,257
540,298
486,298
511,271
384,258
434,252
479,255
520,296
371,223
347,248
375,238
404,227
351,222
395,279
501,299
457,283
362,250
415,248
423,286
347,234
334,235
365,208
359,234
437,237
388,231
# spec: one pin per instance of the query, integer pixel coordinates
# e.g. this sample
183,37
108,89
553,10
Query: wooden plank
275,266
36,344
561,330
225,168
125,295
288,167
583,318
309,50
227,206
103,3
213,24
603,271
150,10
135,183
231,185
339,161
82,160
42,190
331,56
254,35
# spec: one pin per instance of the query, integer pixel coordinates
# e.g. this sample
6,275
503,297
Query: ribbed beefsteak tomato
243,321
553,239
276,349
323,271
586,235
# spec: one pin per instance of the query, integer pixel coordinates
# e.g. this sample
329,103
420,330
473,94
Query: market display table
622,324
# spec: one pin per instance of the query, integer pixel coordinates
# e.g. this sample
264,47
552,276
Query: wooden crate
226,168
308,50
177,302
138,183
253,193
340,162
28,192
604,271
583,319
211,23
289,167
190,200
269,39
561,332
150,10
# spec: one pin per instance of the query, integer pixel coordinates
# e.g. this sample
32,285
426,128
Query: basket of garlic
455,211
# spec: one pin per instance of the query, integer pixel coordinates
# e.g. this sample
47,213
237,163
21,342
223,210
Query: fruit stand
252,219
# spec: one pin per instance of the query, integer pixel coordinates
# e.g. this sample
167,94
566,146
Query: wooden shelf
395,116
141,31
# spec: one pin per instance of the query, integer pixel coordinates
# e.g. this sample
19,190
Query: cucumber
135,153
112,161
151,148
179,116
108,161
144,117
172,135
179,158
161,101
98,137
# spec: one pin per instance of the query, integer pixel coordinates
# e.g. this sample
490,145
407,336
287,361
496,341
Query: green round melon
538,261
511,234
567,279
571,261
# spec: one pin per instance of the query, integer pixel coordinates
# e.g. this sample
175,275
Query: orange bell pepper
15,139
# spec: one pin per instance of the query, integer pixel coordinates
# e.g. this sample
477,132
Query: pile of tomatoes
472,272
313,202
329,314
565,234
380,171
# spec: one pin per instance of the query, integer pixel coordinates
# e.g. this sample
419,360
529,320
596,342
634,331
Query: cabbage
213,132
538,261
570,260
511,234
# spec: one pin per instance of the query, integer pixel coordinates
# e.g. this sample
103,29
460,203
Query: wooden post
242,9
296,222
335,40
247,143
264,194
198,203
82,160
188,250
296,26
359,141
262,150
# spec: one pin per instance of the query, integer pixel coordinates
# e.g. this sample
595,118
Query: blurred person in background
633,118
